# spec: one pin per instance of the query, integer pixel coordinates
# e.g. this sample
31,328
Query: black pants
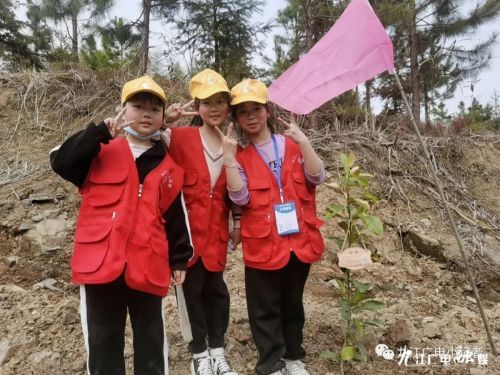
104,313
207,302
276,313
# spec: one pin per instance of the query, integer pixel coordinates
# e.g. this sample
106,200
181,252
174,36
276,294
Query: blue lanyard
278,166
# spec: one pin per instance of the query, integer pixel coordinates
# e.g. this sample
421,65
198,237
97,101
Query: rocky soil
420,277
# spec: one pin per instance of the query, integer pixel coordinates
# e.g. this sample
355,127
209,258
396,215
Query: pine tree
41,34
14,49
163,9
220,35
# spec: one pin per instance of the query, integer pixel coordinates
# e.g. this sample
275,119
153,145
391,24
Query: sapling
352,212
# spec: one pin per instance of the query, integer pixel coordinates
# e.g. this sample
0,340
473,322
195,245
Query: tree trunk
143,66
217,58
426,106
368,100
74,38
414,74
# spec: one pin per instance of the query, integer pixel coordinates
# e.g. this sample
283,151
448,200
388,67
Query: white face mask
134,134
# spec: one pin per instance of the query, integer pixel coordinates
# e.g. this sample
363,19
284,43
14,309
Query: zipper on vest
140,191
113,215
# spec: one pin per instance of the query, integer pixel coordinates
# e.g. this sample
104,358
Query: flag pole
448,213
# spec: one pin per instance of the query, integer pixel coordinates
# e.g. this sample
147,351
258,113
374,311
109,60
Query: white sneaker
219,362
201,364
296,368
280,372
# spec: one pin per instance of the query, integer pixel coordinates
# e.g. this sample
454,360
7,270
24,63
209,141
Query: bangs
146,97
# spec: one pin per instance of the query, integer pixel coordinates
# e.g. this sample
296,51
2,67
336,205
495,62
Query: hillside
421,279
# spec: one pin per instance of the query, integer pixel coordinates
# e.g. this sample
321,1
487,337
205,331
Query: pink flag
354,50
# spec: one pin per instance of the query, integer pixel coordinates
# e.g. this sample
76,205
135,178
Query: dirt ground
429,306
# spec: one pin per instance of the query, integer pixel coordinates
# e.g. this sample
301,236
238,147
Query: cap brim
145,90
248,98
208,92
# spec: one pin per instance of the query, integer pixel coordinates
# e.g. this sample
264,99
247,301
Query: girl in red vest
199,151
131,234
274,178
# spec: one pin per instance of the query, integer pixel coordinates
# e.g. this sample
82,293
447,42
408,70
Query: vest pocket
300,184
259,190
313,224
158,270
91,247
107,186
257,241
189,188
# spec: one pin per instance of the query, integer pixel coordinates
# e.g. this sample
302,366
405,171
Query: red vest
263,248
120,222
207,208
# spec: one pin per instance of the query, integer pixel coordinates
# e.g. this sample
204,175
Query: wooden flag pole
448,213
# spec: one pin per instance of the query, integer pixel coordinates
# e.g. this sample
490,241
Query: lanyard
278,166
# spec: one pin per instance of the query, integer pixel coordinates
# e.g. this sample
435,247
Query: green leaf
362,352
373,224
332,356
360,328
366,175
363,181
374,322
362,287
347,161
358,297
370,197
347,353
344,308
334,209
370,304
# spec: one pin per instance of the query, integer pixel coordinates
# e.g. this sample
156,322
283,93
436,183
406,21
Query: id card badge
286,218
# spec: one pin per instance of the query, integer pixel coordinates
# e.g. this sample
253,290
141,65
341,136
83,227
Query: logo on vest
167,179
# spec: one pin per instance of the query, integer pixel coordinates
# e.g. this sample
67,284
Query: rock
45,362
46,234
421,243
427,319
40,198
47,284
37,218
431,331
398,334
11,261
491,250
52,214
5,351
471,299
24,226
426,222
50,250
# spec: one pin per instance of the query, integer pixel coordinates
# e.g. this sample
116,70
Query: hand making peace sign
175,111
229,145
292,130
115,124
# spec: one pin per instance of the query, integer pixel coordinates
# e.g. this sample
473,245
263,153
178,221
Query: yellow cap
142,84
249,90
207,83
